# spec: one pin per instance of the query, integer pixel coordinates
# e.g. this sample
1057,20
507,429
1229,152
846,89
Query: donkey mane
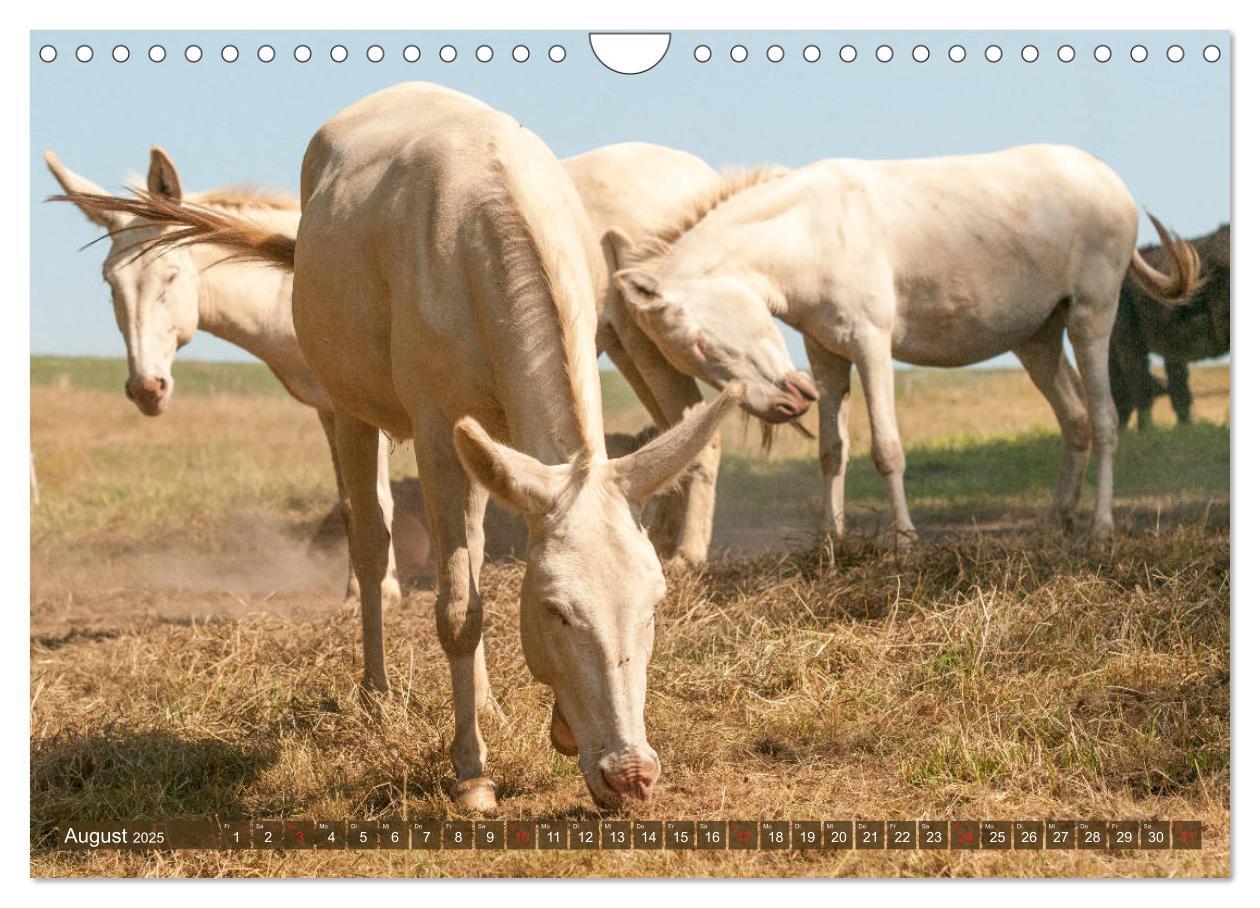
732,182
245,197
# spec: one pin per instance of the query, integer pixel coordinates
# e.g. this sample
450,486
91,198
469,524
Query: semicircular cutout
629,53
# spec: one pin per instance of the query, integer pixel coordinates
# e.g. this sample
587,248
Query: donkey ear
72,183
616,245
639,288
513,477
659,462
163,177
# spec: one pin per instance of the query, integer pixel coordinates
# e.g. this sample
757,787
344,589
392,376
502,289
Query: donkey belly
939,328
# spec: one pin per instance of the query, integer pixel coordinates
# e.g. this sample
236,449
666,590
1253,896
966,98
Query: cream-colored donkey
443,290
161,301
938,262
162,298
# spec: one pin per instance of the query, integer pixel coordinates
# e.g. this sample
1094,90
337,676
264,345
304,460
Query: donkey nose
802,385
632,772
147,392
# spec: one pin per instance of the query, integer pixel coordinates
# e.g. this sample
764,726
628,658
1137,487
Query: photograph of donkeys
465,430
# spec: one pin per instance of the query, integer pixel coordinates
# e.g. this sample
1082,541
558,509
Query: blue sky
1163,126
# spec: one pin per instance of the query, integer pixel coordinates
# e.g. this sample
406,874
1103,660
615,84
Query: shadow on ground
124,775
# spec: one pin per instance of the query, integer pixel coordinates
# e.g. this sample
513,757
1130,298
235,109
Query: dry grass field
190,654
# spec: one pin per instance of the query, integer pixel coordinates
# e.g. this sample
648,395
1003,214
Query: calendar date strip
636,835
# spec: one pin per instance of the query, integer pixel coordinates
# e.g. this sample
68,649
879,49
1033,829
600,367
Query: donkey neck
764,237
245,304
549,388
251,306
540,334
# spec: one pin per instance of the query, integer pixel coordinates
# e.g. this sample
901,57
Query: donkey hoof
1102,533
371,692
475,795
683,562
904,537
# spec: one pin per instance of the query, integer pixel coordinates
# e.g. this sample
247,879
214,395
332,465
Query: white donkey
161,299
940,262
443,290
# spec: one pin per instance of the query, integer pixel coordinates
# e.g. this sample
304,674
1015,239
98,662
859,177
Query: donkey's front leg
683,527
874,362
357,447
456,509
391,592
832,374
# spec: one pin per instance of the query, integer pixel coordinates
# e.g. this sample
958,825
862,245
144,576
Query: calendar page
655,453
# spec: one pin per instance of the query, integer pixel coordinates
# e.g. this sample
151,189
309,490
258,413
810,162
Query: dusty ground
190,654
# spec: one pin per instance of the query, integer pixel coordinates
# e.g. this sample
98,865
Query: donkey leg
833,374
1150,388
328,421
391,591
1179,389
456,510
1089,327
874,363
1048,367
357,444
687,511
667,512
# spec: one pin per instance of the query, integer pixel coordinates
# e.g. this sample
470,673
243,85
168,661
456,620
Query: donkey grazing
1199,329
442,290
162,298
941,262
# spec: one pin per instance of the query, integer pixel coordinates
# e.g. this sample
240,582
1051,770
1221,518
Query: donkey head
592,584
155,293
719,330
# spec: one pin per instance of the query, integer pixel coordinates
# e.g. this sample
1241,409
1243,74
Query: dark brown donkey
1180,334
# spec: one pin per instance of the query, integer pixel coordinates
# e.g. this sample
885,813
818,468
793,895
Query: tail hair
1177,287
245,240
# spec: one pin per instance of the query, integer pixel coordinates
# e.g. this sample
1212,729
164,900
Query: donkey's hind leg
1179,389
1046,360
1089,322
873,358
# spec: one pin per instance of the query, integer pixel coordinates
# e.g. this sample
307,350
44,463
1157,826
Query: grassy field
190,653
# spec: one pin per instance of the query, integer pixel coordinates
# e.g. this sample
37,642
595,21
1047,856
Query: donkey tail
192,224
1170,289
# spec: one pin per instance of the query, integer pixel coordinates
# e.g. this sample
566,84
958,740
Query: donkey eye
558,611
